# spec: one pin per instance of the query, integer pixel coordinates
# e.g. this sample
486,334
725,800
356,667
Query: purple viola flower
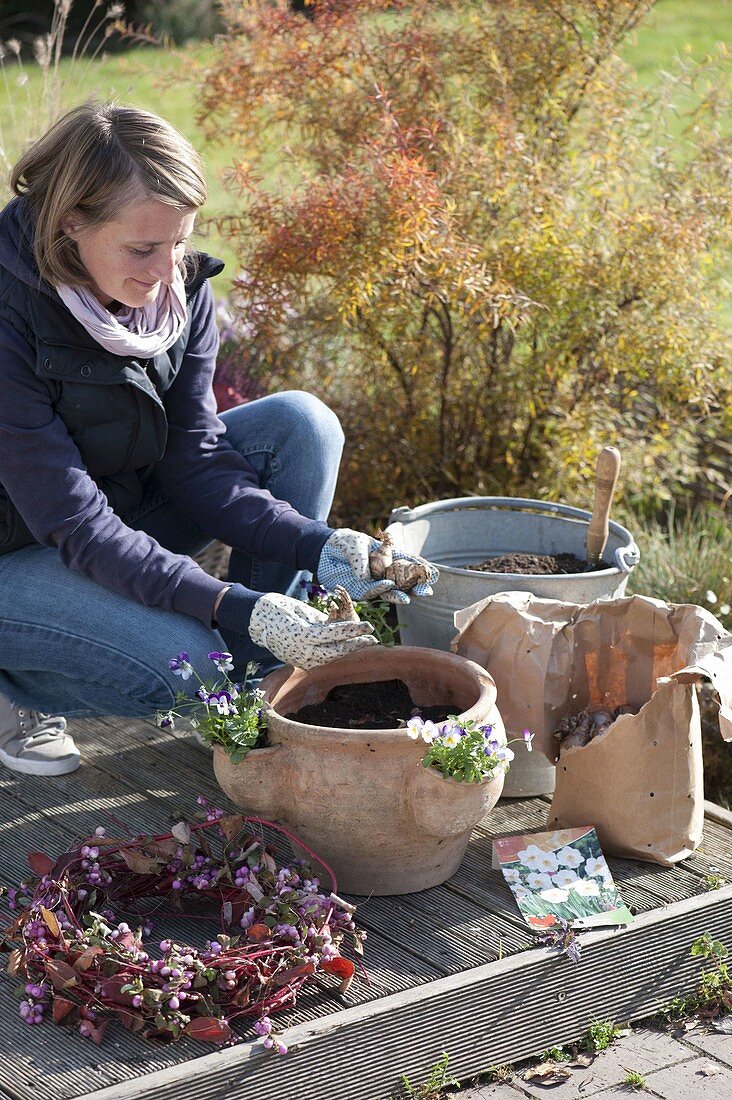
223,702
528,737
314,591
224,661
181,666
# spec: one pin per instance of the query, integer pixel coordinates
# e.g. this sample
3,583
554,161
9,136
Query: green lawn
148,78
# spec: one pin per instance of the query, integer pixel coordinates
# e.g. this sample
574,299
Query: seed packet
560,875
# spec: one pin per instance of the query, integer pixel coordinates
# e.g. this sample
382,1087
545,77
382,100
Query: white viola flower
595,866
569,857
511,875
451,739
564,878
586,888
554,895
539,880
430,732
414,728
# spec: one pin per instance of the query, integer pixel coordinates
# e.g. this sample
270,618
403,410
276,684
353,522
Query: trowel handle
606,476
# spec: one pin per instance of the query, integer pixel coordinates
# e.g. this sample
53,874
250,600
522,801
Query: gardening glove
301,635
344,560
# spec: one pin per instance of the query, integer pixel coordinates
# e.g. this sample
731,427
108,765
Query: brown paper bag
640,782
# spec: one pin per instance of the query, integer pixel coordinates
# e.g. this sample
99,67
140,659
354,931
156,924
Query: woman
114,466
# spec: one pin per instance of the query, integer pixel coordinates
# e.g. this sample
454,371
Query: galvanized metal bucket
467,530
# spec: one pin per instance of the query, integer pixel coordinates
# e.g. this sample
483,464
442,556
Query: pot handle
627,557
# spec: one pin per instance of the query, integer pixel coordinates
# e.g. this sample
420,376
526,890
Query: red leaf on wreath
96,1031
209,1029
50,921
15,965
139,863
343,968
282,977
164,848
61,974
40,863
61,1009
258,933
231,825
131,1021
86,958
111,990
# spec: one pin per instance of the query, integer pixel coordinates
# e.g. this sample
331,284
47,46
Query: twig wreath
77,958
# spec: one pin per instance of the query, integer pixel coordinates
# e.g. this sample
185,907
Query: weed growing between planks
713,997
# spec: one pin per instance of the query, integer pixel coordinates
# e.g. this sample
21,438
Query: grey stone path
691,1065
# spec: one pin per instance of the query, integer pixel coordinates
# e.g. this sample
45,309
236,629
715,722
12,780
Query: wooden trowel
606,476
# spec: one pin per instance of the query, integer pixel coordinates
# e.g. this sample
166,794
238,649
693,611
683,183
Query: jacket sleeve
44,477
208,480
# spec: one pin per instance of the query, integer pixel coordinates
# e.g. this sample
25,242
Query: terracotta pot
360,798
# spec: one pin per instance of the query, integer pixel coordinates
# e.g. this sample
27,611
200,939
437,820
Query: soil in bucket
383,705
536,563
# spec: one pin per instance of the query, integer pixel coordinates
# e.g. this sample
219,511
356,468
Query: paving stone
687,1082
494,1090
643,1050
714,1043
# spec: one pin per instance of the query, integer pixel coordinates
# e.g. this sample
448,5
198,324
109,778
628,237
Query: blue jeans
70,646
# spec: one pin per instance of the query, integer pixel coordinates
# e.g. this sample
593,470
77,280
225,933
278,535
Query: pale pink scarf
145,331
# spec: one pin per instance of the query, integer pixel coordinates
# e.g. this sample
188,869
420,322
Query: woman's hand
301,635
344,560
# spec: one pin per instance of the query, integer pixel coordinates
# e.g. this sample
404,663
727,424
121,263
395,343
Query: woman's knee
294,416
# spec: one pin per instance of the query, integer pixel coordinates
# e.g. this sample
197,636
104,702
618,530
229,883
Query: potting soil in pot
536,563
382,705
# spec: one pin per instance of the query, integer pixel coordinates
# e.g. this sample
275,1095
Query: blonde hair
91,162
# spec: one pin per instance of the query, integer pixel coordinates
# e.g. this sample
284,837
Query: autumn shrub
469,229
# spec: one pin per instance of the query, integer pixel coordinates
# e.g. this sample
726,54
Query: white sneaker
34,743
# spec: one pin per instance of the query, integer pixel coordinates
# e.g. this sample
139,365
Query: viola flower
429,732
451,738
165,720
528,737
224,661
223,702
414,728
181,666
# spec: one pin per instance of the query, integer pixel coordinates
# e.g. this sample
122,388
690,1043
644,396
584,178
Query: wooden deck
450,969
